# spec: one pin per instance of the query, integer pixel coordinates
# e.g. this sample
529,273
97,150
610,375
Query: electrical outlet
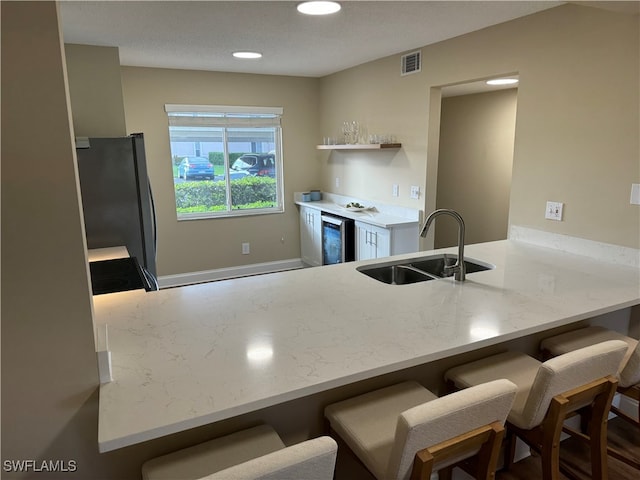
554,211
635,194
246,249
337,182
396,190
415,192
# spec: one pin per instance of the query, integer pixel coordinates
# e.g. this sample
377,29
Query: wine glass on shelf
351,132
355,130
346,132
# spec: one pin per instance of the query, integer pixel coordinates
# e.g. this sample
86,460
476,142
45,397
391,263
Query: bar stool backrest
566,372
447,417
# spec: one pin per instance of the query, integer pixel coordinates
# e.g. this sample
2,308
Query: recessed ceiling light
247,54
318,8
502,81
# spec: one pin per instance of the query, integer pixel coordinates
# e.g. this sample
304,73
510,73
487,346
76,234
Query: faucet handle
451,269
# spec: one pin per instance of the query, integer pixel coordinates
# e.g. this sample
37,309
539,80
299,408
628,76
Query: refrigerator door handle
151,284
153,219
151,280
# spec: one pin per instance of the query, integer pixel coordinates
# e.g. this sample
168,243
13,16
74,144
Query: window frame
229,117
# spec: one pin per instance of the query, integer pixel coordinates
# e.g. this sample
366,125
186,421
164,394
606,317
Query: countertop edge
125,441
388,221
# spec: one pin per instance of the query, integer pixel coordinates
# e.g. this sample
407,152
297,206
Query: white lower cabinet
372,241
311,236
377,242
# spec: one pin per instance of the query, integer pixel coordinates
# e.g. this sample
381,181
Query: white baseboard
168,281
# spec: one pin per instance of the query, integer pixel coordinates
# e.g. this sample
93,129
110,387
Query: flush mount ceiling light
502,81
247,54
318,8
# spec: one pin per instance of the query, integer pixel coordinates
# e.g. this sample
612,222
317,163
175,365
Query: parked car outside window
256,164
195,167
222,135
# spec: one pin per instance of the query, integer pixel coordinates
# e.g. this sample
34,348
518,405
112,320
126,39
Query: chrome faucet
458,268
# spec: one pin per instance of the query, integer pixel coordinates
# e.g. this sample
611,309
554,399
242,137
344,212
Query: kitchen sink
421,269
396,274
435,265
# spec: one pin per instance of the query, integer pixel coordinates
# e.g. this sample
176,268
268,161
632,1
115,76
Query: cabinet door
381,238
372,242
364,250
310,236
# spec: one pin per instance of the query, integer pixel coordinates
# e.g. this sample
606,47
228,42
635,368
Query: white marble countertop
385,216
108,253
185,357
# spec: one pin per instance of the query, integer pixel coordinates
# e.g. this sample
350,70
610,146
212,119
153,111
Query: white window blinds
223,116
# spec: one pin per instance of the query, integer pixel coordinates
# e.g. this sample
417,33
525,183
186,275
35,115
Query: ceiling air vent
411,63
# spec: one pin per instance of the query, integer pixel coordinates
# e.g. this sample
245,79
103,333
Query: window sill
232,214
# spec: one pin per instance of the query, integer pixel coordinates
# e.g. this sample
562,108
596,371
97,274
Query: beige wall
95,89
49,377
561,126
197,245
49,372
474,165
375,95
576,138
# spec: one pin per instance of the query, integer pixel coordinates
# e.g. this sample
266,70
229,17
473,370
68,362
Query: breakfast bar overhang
190,356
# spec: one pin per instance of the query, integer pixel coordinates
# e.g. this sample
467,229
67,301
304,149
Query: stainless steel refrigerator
117,202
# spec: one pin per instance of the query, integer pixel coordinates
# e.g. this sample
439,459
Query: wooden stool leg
551,430
550,461
509,448
598,434
599,468
445,473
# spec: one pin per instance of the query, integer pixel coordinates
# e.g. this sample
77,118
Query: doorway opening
475,159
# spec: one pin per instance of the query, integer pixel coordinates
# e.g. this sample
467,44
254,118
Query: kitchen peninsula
194,355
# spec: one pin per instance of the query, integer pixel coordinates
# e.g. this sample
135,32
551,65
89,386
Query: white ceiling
202,35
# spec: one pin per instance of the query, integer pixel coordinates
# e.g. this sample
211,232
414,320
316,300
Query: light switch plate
554,211
635,194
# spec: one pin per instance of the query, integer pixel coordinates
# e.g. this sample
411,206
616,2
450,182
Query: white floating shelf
360,146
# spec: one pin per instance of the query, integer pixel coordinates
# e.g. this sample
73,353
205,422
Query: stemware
351,132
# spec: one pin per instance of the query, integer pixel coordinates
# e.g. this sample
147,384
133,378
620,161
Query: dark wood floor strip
575,457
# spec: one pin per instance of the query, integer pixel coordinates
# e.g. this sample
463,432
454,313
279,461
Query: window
226,161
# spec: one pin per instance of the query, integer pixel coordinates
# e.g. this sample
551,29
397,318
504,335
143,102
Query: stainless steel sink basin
421,269
395,274
435,265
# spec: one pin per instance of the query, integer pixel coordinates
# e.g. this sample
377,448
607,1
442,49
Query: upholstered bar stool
549,392
255,453
404,431
628,375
